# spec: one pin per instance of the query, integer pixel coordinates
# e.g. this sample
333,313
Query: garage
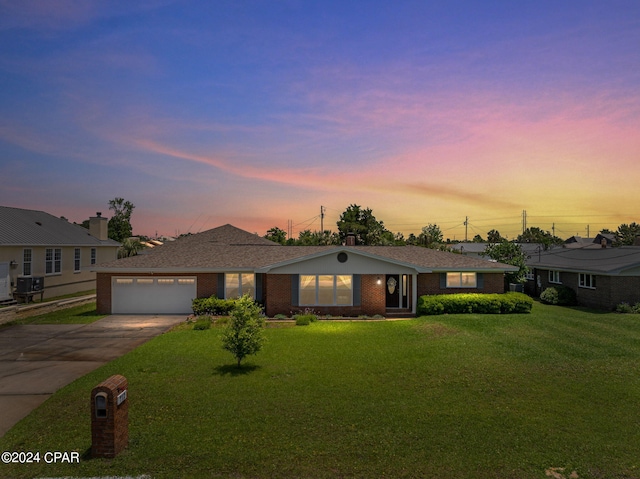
152,295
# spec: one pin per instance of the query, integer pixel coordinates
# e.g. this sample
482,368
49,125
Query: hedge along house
344,280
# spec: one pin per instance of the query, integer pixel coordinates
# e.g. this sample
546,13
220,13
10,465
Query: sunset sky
258,113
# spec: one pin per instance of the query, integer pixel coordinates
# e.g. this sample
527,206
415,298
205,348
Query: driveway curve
37,360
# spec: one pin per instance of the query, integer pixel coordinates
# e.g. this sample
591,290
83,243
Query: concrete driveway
37,360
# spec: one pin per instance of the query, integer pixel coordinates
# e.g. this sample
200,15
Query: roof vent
38,223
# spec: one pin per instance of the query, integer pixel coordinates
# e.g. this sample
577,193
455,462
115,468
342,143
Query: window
461,280
186,281
554,276
52,261
26,262
239,284
326,290
124,281
144,281
587,281
94,255
166,281
76,260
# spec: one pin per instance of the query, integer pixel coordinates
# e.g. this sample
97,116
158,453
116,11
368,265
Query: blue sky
256,113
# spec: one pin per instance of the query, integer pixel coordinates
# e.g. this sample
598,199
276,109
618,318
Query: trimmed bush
560,295
476,303
626,308
212,306
202,323
305,319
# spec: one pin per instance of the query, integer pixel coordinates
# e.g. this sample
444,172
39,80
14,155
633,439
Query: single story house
344,280
602,277
59,255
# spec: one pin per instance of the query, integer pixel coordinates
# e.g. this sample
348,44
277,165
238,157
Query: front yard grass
83,314
457,396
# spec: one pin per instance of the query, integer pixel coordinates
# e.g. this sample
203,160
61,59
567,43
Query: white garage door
152,295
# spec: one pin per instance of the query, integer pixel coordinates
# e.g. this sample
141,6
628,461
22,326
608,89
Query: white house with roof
39,250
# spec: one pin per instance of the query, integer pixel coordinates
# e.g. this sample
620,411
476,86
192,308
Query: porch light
378,281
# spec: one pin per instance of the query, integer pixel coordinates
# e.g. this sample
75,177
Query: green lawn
82,314
458,396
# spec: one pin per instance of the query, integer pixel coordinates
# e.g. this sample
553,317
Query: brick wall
110,434
608,293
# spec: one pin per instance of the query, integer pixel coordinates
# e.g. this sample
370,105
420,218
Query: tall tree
537,235
494,236
509,253
119,226
626,234
363,224
431,236
276,235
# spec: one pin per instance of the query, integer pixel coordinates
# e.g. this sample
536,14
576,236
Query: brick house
602,277
35,244
344,280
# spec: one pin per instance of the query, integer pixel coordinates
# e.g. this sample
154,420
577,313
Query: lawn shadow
234,370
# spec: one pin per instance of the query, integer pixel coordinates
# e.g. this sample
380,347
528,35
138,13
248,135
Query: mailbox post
109,417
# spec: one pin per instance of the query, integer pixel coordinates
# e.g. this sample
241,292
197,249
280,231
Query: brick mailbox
109,417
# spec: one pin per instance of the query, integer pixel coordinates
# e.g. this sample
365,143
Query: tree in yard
276,235
509,253
494,236
431,236
361,222
537,235
129,247
626,234
244,333
119,226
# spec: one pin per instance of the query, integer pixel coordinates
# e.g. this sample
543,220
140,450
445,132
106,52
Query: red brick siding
110,434
430,284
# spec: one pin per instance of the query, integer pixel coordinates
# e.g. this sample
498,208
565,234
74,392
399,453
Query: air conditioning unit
29,284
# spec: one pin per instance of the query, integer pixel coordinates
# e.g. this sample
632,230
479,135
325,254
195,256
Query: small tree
243,335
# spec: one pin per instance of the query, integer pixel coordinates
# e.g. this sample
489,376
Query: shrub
560,295
212,306
305,319
474,303
280,316
202,323
628,309
244,335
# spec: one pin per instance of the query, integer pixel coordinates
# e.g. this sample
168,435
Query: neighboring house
338,280
35,244
602,277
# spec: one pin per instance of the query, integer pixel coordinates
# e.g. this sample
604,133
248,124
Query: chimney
603,242
351,239
98,227
636,242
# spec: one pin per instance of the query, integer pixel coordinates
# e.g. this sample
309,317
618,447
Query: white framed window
325,290
53,261
554,276
587,281
27,255
76,260
94,255
462,280
239,284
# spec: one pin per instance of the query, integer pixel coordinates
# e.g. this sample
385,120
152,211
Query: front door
392,288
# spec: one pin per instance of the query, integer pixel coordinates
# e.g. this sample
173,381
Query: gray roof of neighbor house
228,247
610,261
20,227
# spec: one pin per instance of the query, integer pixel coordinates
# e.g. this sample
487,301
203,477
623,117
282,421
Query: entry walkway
37,360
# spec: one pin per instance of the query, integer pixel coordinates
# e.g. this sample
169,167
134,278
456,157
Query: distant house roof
227,247
610,261
479,248
21,227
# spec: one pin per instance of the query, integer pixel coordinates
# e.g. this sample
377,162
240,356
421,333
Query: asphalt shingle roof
19,227
228,247
588,259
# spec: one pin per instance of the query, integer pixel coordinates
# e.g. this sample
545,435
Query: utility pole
588,232
553,229
322,219
524,221
466,225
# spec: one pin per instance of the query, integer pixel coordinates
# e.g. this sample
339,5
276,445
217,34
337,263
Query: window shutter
357,290
259,282
480,280
295,286
220,289
443,280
